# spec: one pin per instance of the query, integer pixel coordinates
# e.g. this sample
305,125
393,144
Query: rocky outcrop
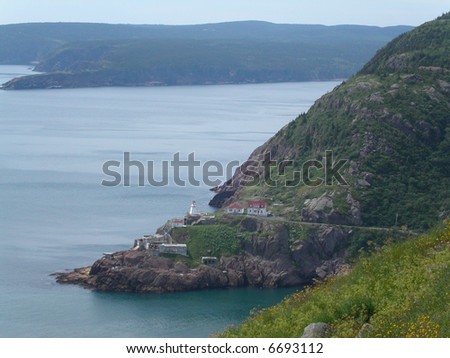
135,271
322,210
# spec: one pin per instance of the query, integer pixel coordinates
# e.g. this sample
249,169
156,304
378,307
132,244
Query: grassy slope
402,290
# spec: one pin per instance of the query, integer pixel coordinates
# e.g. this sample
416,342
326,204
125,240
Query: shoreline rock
136,271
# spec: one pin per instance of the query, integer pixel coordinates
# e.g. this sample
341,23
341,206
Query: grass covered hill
89,55
391,122
400,291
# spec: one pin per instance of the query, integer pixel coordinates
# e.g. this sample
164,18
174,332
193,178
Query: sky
178,12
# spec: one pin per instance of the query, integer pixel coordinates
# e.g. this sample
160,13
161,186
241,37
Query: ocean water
55,214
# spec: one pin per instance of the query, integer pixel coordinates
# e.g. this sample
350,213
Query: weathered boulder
318,209
317,330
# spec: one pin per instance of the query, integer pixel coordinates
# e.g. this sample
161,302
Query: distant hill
87,55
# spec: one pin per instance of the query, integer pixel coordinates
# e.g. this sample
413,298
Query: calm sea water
55,215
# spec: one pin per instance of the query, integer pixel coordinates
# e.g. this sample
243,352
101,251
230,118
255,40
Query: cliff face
266,260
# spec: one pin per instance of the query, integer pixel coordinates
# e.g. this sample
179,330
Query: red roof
235,206
256,204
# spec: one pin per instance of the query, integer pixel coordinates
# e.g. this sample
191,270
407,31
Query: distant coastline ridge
71,55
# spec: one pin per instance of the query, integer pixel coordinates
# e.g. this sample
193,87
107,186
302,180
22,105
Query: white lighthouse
193,209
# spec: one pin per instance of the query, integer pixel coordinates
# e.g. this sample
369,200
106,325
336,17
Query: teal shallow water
55,215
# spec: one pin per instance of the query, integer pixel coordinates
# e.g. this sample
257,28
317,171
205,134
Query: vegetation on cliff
391,122
208,240
398,291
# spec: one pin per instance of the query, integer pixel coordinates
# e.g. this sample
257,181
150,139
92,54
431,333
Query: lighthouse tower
193,209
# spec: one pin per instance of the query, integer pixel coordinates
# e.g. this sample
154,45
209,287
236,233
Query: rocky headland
268,257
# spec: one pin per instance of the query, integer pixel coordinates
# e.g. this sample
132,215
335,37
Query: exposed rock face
317,330
321,210
320,254
254,271
266,261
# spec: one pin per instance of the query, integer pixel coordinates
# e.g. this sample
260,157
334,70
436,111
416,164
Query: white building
257,208
193,209
176,249
235,209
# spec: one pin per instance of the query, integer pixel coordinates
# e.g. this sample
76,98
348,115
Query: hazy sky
328,12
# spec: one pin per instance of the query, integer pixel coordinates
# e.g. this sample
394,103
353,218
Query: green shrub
211,240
